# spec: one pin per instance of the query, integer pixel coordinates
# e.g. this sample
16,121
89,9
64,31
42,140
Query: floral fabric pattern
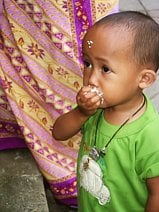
40,74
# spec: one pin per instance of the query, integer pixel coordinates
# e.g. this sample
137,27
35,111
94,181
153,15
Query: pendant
103,152
94,153
91,179
97,156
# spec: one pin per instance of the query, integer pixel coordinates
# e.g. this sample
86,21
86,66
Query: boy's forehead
108,42
103,30
105,34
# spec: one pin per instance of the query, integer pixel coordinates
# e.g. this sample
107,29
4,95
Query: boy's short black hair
145,32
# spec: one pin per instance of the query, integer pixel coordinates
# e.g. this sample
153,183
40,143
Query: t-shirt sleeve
91,122
147,153
148,166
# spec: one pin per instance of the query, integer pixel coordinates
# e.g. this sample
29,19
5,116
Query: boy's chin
102,106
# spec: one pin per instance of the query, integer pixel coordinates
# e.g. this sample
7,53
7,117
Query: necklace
96,153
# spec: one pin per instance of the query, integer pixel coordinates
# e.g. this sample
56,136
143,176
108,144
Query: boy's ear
147,77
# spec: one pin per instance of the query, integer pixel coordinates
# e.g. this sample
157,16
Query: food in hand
98,92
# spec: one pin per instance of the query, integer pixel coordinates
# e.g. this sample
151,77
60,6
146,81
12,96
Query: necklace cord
103,149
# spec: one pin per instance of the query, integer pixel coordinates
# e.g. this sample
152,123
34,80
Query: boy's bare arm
153,196
68,124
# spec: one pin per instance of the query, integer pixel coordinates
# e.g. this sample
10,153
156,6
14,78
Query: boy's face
109,65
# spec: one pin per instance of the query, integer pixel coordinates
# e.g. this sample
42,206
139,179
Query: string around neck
102,151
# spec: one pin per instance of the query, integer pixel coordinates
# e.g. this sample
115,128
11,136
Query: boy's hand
89,100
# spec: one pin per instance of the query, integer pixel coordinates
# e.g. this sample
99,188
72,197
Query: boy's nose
93,79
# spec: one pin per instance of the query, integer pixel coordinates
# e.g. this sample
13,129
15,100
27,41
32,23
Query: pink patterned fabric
40,74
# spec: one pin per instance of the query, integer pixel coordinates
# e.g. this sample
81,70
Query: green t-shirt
131,157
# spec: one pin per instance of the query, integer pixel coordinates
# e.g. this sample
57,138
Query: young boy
118,161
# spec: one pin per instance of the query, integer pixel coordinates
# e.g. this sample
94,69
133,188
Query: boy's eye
106,69
87,64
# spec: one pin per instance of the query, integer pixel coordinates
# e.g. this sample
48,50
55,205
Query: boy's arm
153,195
68,124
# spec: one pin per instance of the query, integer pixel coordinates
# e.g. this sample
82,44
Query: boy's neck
117,115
